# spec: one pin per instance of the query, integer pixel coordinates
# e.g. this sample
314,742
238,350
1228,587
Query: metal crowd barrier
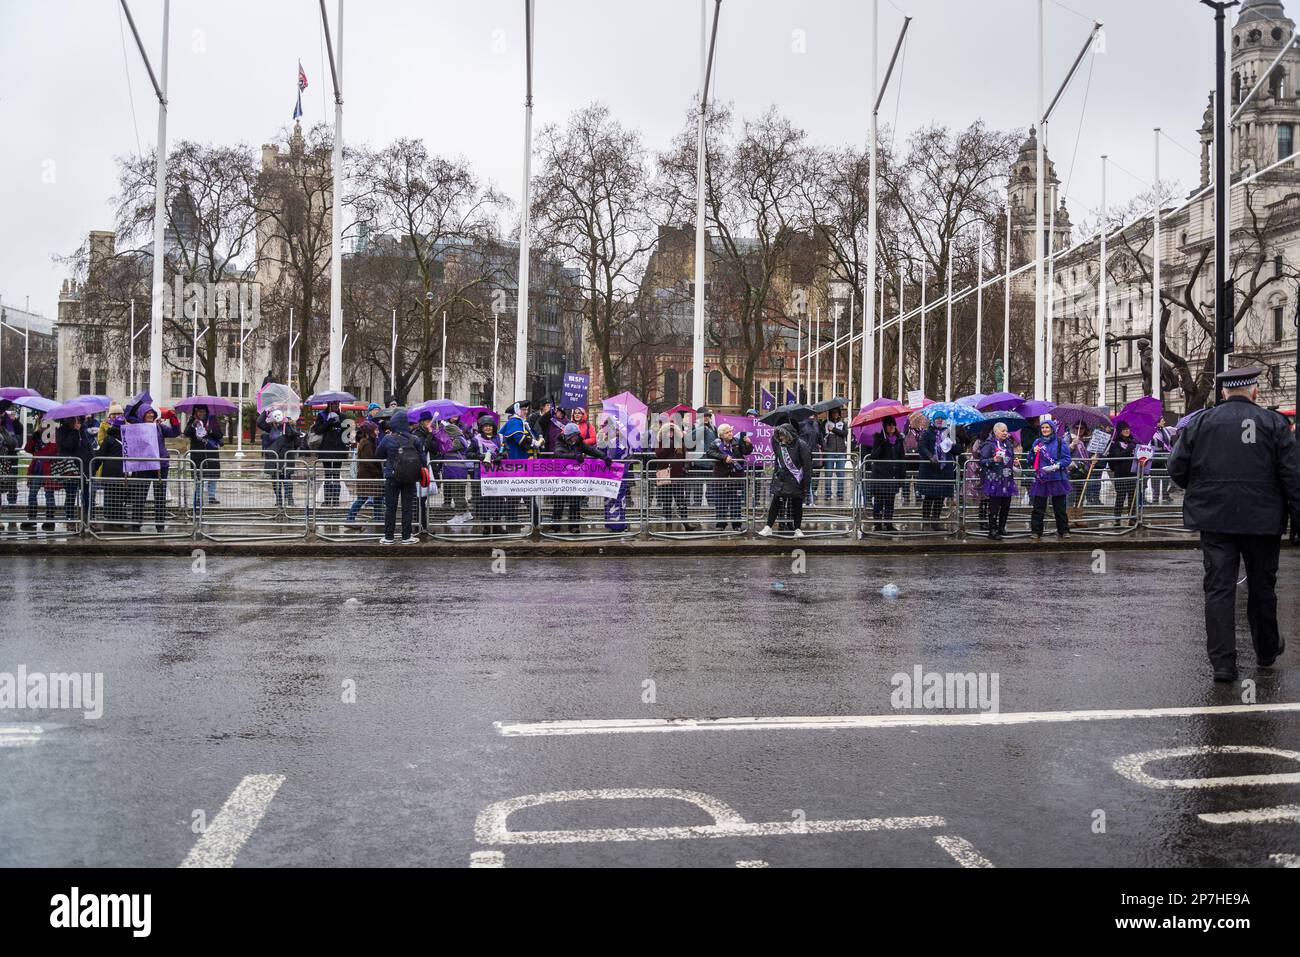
36,503
1162,503
587,518
831,509
893,508
122,503
259,498
458,511
694,504
343,507
1097,505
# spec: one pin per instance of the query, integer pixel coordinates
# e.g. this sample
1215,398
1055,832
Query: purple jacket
999,477
1050,460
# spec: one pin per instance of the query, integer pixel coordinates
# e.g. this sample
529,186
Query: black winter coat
1237,486
887,458
784,481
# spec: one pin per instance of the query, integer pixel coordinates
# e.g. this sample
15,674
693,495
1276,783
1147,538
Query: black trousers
1222,556
1058,510
393,491
791,506
999,508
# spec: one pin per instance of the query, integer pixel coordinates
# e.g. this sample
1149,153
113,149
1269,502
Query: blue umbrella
1012,420
953,413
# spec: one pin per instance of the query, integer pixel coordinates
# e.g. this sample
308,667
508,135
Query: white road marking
219,844
1132,767
867,721
1286,860
752,864
490,827
18,735
962,852
487,859
1283,813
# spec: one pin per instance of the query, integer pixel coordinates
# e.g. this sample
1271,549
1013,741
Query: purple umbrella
999,402
1182,423
324,398
1141,415
82,405
37,402
1074,414
441,409
1033,408
17,392
215,404
973,400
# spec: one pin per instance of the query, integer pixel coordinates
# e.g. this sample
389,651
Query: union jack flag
302,85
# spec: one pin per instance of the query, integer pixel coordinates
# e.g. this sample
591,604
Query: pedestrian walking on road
1240,468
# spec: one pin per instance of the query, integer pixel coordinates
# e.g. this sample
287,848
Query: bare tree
756,211
433,208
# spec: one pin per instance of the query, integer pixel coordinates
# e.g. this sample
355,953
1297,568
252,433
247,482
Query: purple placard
573,394
552,477
140,441
759,434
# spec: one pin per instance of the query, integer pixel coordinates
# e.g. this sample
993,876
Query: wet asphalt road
241,669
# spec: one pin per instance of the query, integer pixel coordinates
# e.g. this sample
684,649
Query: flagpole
900,332
947,370
880,353
815,395
160,193
697,352
1038,219
835,354
922,385
1155,282
336,193
392,360
521,297
442,375
288,372
1006,313
869,296
979,310
1051,297
1101,297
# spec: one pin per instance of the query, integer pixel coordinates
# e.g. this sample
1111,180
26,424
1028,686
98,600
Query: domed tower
1022,199
1265,132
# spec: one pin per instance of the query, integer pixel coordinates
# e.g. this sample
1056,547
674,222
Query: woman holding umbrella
936,473
1122,467
1049,457
887,473
205,435
997,459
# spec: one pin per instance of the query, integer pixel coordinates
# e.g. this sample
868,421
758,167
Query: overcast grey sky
452,73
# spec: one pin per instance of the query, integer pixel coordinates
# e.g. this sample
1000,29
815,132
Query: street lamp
779,398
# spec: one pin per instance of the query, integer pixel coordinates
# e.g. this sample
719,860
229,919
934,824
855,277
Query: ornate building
1264,223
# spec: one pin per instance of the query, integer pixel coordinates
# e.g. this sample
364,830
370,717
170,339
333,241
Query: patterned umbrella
1094,417
1012,420
953,413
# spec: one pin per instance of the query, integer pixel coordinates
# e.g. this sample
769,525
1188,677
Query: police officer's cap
1240,378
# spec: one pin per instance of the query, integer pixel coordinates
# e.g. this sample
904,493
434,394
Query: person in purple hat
1049,457
997,462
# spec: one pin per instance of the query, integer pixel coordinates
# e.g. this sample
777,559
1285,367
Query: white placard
1099,443
915,399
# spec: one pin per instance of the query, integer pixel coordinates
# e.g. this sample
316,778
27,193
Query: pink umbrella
631,413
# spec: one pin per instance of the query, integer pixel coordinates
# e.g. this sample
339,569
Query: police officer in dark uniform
1240,466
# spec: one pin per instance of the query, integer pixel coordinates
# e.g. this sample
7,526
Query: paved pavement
529,718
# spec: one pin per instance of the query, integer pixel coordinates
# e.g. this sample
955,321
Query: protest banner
552,477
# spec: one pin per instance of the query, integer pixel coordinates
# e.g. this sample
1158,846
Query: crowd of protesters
401,456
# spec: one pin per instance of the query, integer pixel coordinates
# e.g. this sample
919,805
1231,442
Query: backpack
406,465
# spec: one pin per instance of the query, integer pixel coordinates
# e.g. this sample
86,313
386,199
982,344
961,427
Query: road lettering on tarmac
220,842
492,825
867,721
